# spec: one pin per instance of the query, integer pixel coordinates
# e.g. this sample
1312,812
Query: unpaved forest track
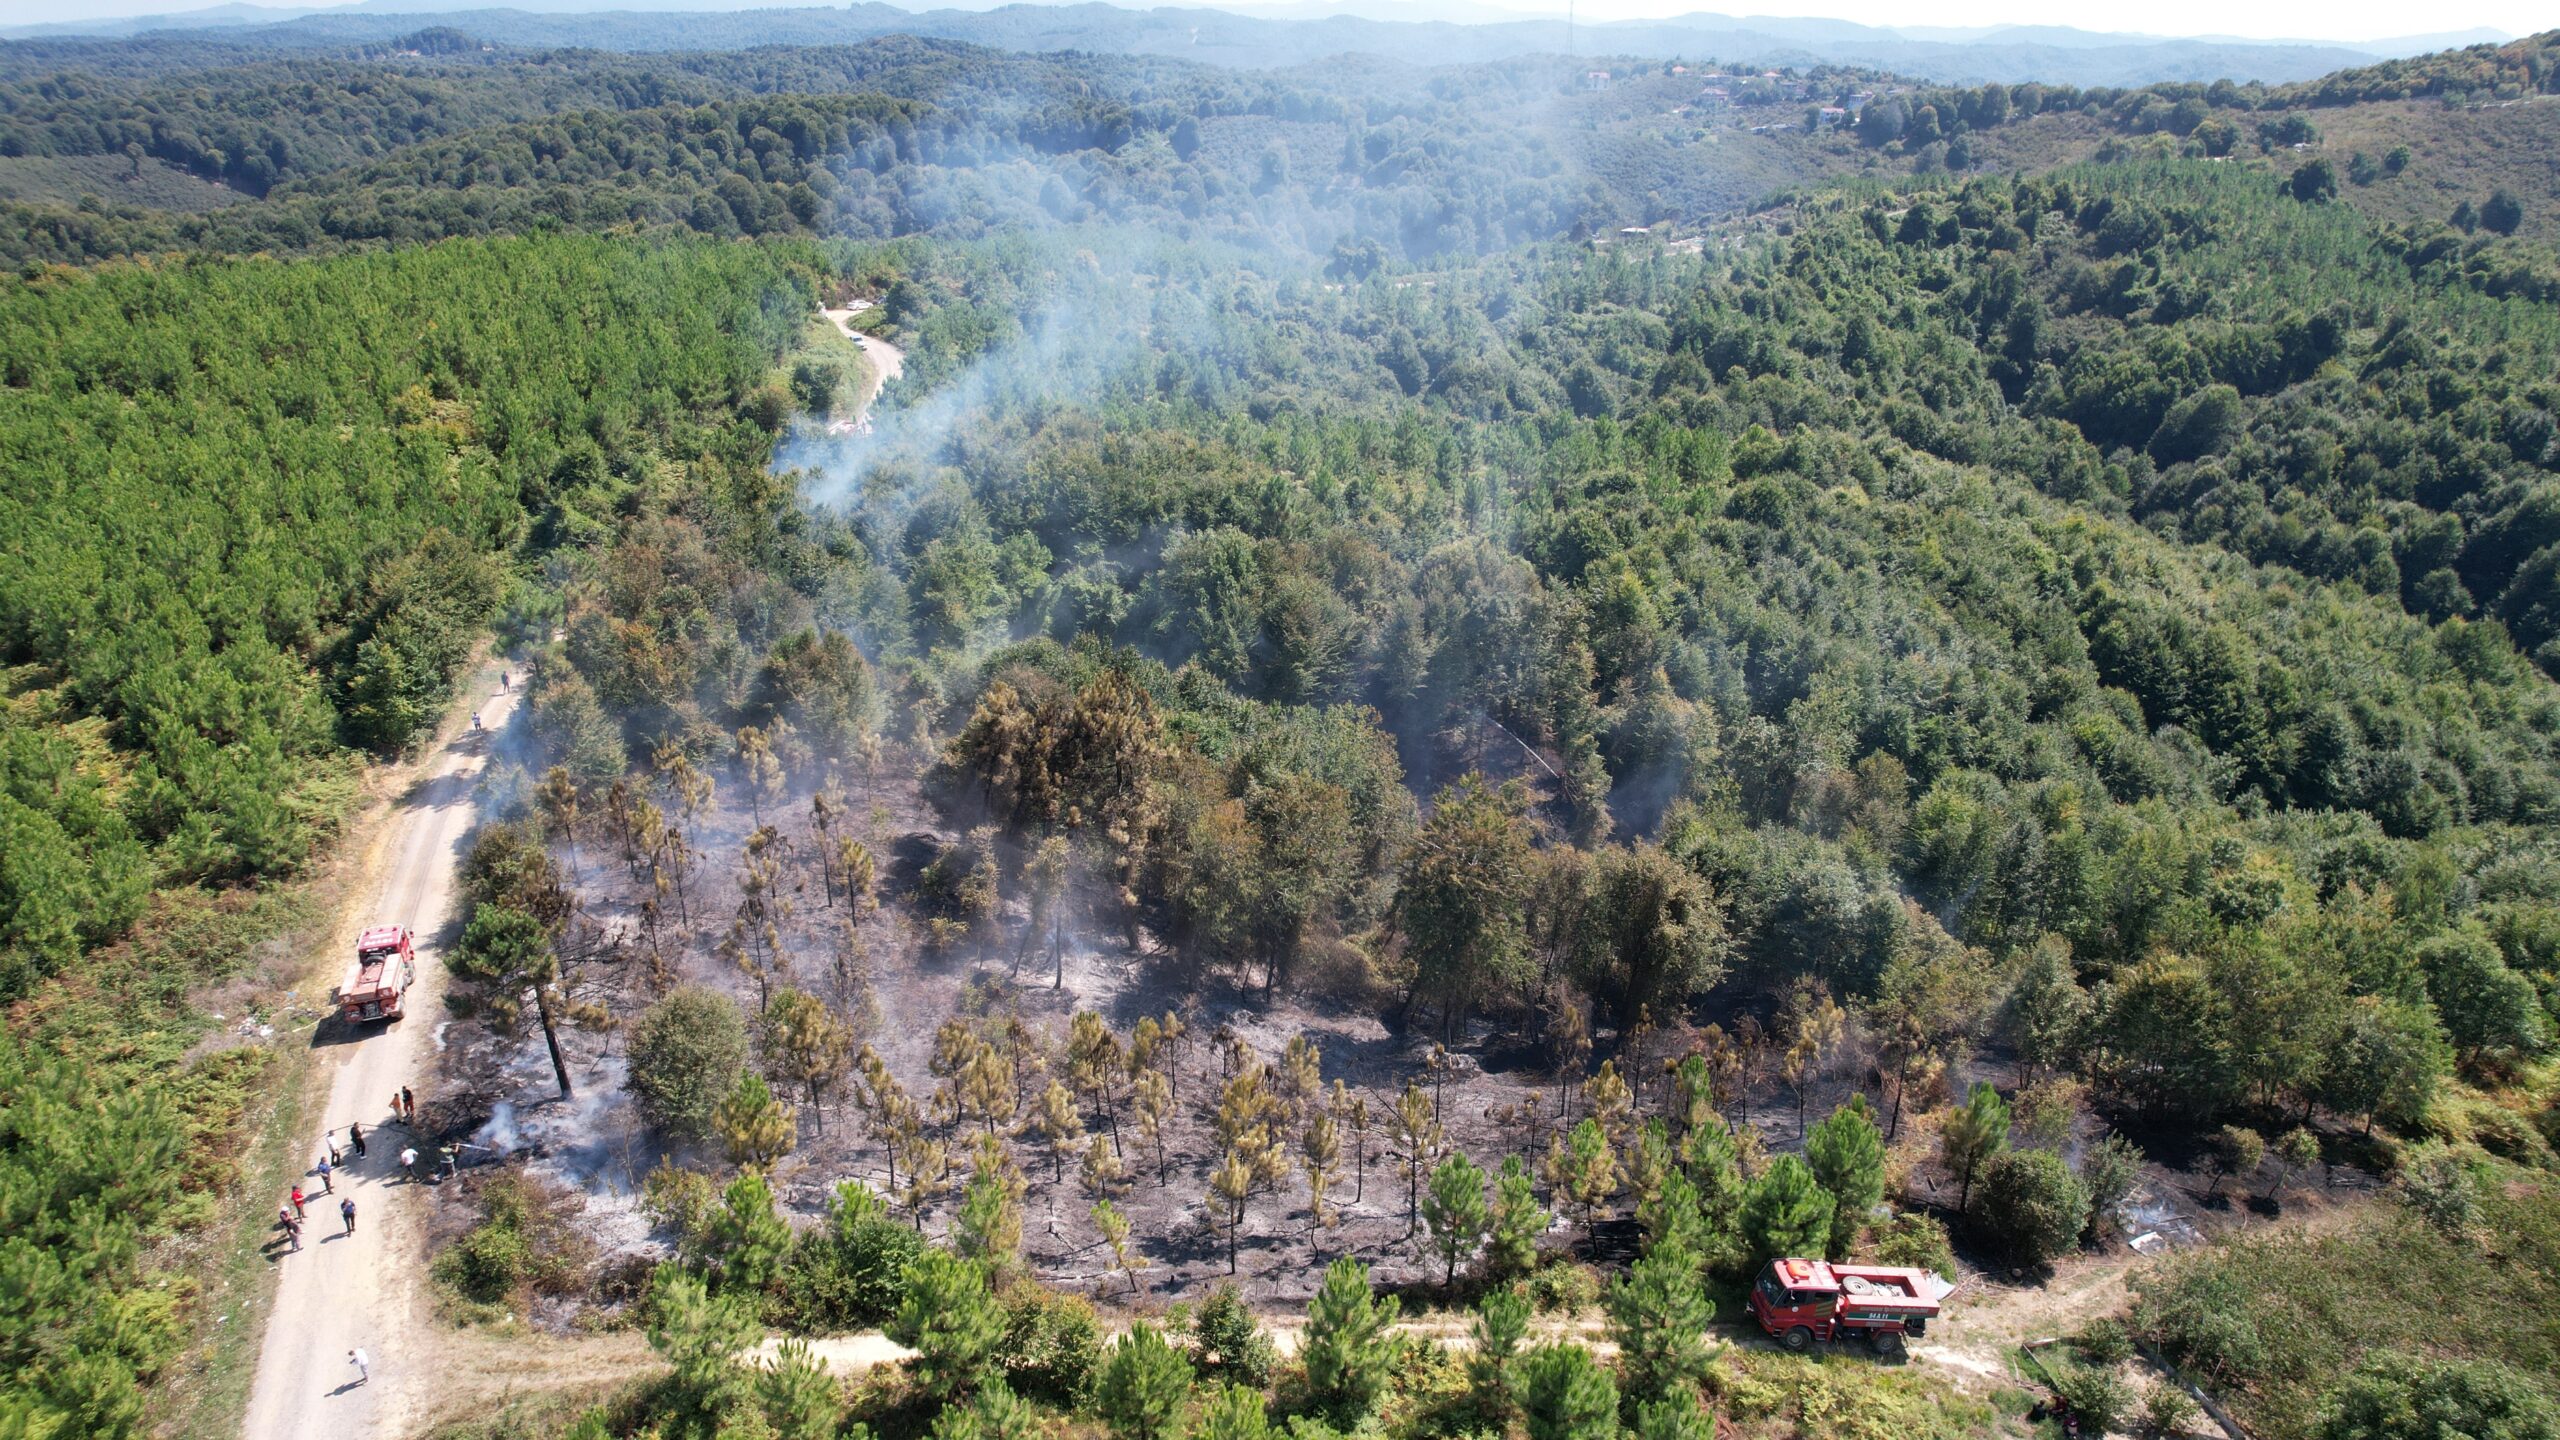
369,1289
888,362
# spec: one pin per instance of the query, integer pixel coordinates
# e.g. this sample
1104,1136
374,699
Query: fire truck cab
1801,1301
377,984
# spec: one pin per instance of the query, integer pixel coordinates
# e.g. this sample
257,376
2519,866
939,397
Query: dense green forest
257,514
2100,620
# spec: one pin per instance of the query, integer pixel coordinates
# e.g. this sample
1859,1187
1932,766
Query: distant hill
2053,54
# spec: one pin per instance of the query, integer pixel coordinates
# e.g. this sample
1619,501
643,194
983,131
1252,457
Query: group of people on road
289,1219
404,1111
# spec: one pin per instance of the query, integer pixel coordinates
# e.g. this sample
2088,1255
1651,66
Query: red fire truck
377,985
1801,1301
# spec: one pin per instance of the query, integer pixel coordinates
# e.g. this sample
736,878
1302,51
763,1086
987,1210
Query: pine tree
1143,1386
1973,1133
1658,1316
1229,1186
950,1318
701,1337
1605,1098
1101,1173
1096,1060
1234,1412
1518,1222
509,954
1670,1216
1351,1112
797,1395
744,1244
1847,1156
1713,1163
989,1229
928,1168
1044,879
1000,1414
1787,1212
1455,1211
1501,1324
1581,1167
1345,1362
1114,1227
1676,1416
805,1044
1565,1395
1319,1152
1155,1113
1061,1128
1417,1138
754,1128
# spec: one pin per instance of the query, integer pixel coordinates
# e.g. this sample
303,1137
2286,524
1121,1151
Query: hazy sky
2291,19
2287,19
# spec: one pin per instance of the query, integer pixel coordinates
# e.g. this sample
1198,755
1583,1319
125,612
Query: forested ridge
2079,640
448,139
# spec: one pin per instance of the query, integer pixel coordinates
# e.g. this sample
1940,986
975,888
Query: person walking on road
363,1364
327,1174
291,1224
297,1202
347,1212
355,1137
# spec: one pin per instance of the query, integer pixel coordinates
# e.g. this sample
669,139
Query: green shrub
2167,1410
2032,1206
524,1241
1914,1239
1052,1345
2400,1397
486,1265
686,1053
850,1272
1229,1343
1564,1288
2104,1342
2094,1393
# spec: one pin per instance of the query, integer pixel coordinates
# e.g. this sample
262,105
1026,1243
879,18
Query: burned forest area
1081,994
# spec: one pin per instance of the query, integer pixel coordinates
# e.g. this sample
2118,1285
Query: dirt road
368,1289
888,362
